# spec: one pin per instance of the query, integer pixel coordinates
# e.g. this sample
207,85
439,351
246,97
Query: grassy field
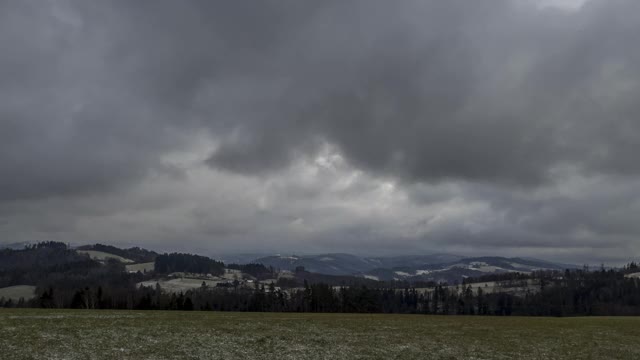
142,267
69,334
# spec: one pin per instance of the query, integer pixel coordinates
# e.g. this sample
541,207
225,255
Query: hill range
433,267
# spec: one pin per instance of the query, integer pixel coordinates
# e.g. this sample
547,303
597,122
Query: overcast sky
506,127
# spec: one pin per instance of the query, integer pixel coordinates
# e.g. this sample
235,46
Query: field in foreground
83,334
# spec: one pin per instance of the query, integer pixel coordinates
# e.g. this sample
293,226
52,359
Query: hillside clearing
103,256
18,291
82,334
142,267
179,284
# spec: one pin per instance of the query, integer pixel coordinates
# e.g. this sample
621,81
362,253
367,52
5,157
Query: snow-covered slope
464,267
103,256
330,264
427,267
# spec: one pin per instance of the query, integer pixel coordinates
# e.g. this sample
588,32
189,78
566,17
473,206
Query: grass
142,267
82,334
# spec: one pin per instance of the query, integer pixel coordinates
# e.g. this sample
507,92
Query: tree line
178,262
572,293
135,254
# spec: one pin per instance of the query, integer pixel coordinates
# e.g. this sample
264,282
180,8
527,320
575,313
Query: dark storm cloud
479,105
428,91
492,91
482,91
70,119
94,94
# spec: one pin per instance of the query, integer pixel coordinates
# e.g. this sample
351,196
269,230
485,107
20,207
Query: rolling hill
462,268
434,267
330,264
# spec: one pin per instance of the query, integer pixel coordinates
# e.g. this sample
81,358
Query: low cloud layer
490,127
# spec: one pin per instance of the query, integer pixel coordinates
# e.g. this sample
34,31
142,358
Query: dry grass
142,267
67,334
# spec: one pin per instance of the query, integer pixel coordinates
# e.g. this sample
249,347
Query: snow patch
103,256
288,257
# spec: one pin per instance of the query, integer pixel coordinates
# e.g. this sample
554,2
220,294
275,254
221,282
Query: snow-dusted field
18,291
142,267
83,334
99,255
494,286
180,284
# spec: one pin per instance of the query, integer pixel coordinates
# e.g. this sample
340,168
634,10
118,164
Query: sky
374,127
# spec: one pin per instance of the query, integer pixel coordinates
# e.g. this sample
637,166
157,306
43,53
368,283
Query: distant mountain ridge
15,246
330,264
411,268
433,267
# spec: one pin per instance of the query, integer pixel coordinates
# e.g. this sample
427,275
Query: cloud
495,126
489,92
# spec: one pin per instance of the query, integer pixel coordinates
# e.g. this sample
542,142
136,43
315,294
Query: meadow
102,334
